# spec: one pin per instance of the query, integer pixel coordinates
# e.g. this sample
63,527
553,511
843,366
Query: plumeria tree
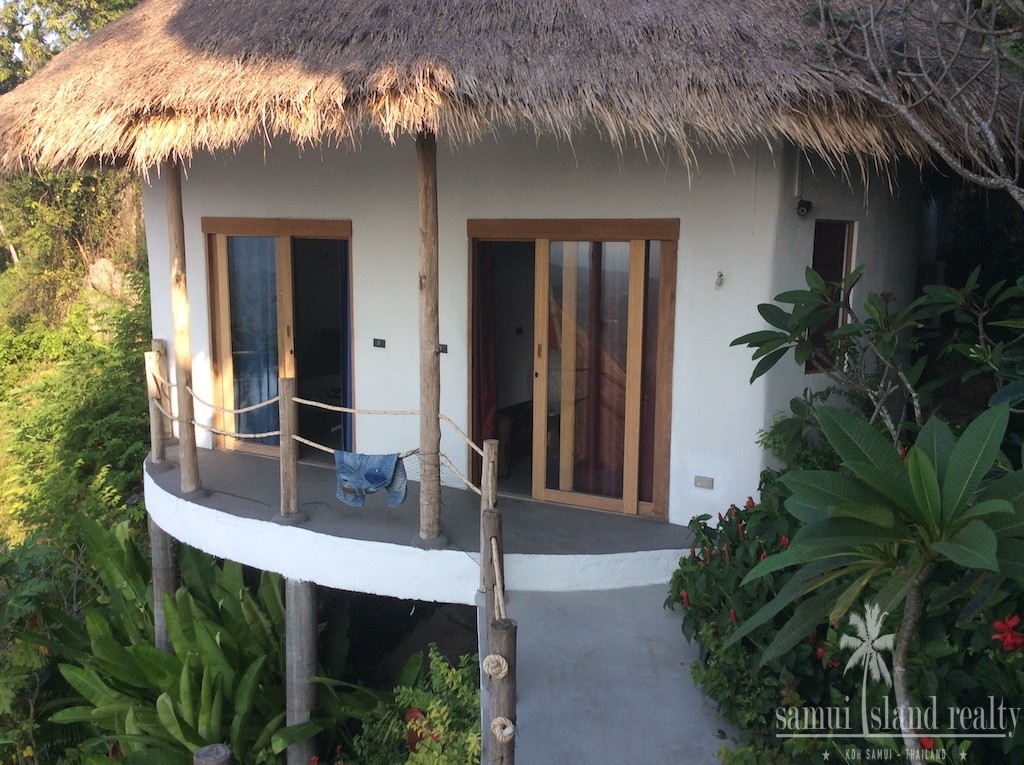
882,525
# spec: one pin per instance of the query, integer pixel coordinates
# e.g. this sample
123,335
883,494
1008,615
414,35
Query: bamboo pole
430,364
289,448
502,741
165,580
300,662
187,455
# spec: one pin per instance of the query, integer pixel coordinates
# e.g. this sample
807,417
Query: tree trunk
908,630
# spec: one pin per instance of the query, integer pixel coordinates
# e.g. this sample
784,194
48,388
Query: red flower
742,530
728,553
750,503
833,663
685,597
764,553
926,743
314,760
1006,631
784,541
732,616
820,653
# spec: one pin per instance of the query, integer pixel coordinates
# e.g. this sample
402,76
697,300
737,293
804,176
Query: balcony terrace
547,547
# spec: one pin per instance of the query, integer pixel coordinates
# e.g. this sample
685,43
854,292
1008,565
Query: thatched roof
175,77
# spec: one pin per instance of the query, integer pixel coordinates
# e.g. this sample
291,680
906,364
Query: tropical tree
882,525
950,70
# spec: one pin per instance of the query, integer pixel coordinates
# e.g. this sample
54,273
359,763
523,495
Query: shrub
707,585
433,718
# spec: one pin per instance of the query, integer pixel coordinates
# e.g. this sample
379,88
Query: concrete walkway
603,677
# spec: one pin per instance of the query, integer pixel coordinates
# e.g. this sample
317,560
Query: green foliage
444,729
876,526
56,224
32,32
795,439
31,606
872,356
73,420
223,682
955,659
707,585
988,332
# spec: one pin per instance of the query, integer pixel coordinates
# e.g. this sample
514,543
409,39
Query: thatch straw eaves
176,77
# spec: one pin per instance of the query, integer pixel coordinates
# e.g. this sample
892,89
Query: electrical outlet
378,342
704,482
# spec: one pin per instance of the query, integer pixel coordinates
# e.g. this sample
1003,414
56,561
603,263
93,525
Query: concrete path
603,677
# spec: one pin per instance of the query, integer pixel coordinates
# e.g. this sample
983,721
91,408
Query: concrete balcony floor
548,547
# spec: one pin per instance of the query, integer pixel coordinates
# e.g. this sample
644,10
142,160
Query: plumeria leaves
973,546
857,442
972,458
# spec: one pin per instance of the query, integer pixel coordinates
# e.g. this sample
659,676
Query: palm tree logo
868,645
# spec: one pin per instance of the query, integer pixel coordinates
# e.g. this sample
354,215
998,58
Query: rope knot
503,729
495,666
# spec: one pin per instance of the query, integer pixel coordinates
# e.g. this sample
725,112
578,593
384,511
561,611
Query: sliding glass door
598,325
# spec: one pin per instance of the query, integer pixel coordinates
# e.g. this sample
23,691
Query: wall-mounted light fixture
719,278
803,207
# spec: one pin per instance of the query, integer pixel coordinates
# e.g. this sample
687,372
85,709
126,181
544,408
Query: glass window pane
252,284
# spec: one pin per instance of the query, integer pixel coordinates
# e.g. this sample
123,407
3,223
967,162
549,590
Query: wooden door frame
634,230
283,231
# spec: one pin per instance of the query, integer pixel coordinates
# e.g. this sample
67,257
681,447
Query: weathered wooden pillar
490,526
289,416
430,363
500,665
156,367
488,499
300,662
182,342
165,580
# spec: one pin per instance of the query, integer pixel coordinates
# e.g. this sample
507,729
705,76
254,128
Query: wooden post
490,525
286,388
489,475
300,662
163,370
430,364
157,444
165,580
214,754
488,495
182,343
502,740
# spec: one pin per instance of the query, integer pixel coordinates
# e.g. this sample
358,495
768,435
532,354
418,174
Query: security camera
803,207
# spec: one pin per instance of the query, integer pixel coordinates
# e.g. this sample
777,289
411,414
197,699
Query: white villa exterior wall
737,216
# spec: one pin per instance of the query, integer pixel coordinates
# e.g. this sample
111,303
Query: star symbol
963,756
825,756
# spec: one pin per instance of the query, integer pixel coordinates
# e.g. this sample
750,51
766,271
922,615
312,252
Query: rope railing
163,384
229,410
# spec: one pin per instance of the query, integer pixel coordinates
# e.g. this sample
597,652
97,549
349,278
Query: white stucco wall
734,216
